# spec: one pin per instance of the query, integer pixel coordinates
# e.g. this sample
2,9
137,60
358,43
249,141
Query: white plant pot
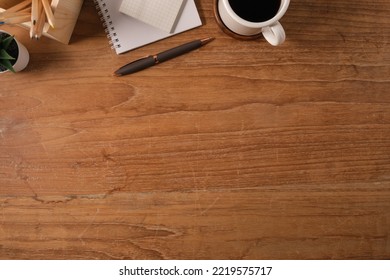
22,59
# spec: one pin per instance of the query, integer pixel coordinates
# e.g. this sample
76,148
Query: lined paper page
162,14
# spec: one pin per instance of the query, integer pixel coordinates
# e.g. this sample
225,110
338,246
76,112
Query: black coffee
255,10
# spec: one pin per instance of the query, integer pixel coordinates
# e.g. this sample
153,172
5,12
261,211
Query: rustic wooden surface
239,150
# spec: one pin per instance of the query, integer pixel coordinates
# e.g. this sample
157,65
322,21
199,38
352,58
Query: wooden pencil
34,11
40,24
49,13
16,19
18,7
16,13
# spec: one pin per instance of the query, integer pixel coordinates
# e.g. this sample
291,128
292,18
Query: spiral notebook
127,33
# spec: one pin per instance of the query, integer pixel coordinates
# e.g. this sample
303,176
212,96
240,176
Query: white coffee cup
272,30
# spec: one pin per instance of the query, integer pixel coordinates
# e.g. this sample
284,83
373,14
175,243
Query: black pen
151,60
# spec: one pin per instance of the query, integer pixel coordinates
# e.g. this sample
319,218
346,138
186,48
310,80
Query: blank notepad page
162,14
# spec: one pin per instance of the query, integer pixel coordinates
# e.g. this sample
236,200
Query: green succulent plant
5,58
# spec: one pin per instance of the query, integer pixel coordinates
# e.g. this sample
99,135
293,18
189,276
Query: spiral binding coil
104,15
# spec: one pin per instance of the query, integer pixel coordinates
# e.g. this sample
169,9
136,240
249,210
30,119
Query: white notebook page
162,14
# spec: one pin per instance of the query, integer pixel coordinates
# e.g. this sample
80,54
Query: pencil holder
65,12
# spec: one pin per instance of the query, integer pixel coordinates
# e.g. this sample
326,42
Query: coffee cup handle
274,34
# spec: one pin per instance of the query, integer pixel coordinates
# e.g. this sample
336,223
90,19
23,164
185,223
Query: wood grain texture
238,150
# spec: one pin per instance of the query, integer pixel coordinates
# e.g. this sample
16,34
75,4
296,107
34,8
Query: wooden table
238,150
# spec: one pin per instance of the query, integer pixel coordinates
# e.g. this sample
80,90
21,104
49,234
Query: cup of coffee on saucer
251,19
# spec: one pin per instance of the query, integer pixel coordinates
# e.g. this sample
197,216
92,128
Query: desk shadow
201,10
88,24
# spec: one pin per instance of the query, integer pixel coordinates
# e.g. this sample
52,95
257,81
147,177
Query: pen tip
207,40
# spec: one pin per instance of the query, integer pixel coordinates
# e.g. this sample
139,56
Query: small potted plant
14,56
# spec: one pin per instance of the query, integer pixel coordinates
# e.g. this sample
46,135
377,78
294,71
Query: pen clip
154,56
